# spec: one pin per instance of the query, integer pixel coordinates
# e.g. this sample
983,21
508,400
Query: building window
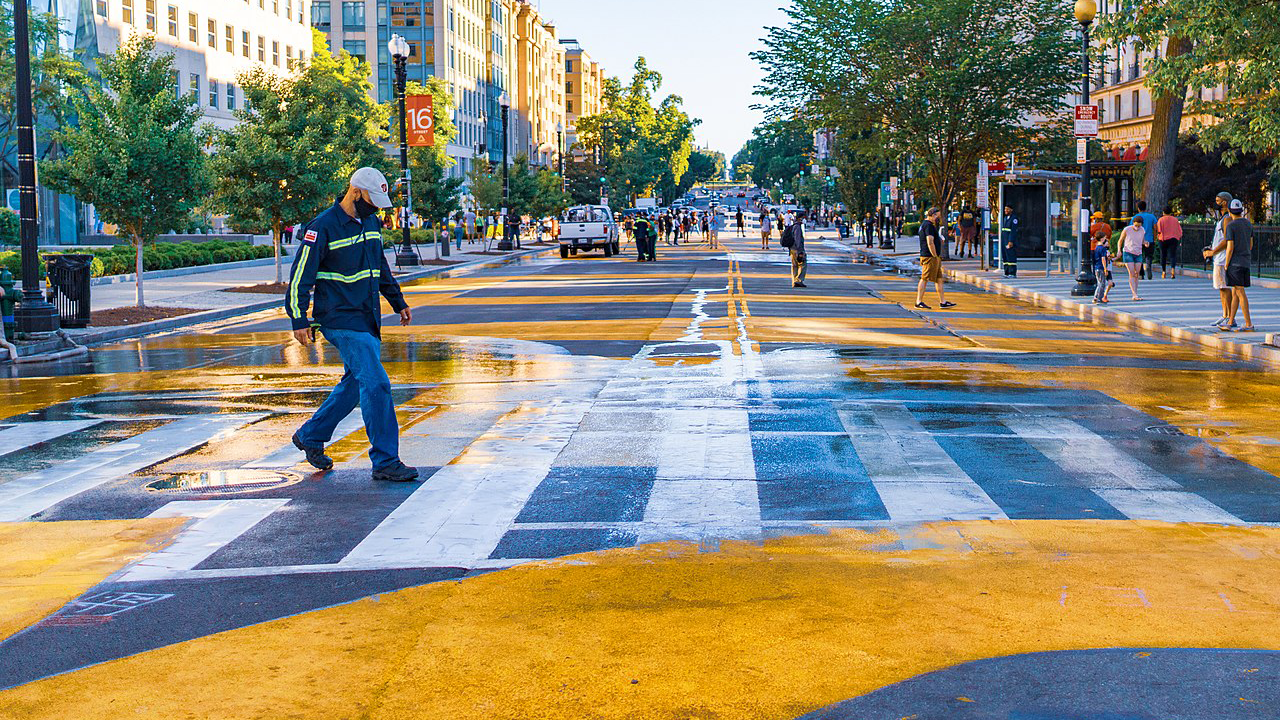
262,49
406,13
353,15
288,10
1137,104
212,36
194,87
173,20
244,43
176,79
354,48
568,106
101,6
230,37
126,11
193,28
262,4
213,93
320,14
275,53
151,15
288,53
275,6
568,88
231,96
568,66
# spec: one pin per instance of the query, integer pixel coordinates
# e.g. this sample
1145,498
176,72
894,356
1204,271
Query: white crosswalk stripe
38,491
220,522
19,437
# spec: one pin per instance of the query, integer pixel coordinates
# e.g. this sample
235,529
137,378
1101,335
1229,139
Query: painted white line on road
220,522
1126,483
916,479
460,514
25,435
32,493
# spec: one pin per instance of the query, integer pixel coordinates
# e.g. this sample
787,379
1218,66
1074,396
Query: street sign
1087,121
885,194
984,185
893,188
420,110
1082,150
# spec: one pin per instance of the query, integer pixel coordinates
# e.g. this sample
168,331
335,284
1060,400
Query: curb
1260,353
179,272
128,332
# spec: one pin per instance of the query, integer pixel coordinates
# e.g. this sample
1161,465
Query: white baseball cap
367,178
1236,207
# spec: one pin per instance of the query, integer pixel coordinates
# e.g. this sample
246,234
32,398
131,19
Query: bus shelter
1047,204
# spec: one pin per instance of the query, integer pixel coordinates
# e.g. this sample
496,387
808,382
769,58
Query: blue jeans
365,383
1101,292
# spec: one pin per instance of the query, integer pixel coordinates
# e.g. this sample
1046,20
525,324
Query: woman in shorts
1132,240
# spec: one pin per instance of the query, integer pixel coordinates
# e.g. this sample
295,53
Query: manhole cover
1193,432
223,482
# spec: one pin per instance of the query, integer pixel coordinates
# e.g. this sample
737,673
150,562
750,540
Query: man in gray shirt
1239,239
799,261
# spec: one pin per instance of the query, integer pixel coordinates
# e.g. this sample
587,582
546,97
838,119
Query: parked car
586,228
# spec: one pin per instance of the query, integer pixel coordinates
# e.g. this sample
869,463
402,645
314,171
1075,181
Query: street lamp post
1086,283
35,314
560,152
504,103
399,48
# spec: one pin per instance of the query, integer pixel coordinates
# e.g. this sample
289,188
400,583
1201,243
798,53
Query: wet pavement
701,438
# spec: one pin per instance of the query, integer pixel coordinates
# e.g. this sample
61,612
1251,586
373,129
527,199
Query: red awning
1130,154
1143,155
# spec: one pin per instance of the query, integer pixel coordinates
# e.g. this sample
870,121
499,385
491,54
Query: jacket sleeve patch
310,237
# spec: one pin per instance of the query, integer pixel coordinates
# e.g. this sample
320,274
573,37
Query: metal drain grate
223,482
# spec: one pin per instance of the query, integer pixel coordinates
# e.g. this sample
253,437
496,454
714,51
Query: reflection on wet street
561,407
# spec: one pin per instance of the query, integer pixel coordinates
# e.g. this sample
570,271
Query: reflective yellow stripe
336,277
354,239
294,311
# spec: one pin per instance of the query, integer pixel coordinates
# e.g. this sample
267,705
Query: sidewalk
1179,309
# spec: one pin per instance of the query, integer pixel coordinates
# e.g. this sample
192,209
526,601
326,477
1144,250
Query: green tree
56,78
136,154
296,143
485,186
778,151
642,147
946,81
583,181
1234,44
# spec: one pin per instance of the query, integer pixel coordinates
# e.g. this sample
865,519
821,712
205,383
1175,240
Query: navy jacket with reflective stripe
341,258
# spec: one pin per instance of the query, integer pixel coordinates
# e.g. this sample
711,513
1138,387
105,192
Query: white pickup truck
587,228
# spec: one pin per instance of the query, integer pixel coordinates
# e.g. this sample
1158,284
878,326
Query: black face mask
365,209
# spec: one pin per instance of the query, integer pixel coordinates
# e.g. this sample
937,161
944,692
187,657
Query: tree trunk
1166,120
277,233
137,269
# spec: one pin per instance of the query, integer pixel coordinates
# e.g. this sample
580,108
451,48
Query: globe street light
504,102
1086,283
399,48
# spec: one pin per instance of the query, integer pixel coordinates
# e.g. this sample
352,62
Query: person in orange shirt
1098,230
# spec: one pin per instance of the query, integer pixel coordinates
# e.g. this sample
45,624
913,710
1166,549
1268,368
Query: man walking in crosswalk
341,257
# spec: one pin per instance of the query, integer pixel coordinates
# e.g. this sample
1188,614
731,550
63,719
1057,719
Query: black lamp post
504,103
560,152
399,48
35,314
1086,283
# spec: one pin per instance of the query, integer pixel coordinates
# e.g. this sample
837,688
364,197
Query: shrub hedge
911,229
119,259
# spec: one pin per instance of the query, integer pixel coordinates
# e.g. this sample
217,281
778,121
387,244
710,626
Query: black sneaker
922,306
315,455
799,285
395,472
947,304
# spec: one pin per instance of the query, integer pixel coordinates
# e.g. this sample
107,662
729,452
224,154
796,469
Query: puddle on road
224,482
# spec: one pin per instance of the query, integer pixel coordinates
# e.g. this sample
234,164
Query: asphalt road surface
668,490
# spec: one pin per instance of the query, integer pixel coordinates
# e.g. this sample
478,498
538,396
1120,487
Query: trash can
67,287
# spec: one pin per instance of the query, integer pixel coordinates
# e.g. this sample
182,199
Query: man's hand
406,316
305,336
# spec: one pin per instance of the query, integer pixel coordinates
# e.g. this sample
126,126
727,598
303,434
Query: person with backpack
645,239
793,239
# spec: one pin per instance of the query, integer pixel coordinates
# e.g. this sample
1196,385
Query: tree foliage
1236,43
136,153
1202,173
644,147
946,81
290,154
56,78
778,151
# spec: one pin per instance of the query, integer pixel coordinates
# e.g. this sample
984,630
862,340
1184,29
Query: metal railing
1264,260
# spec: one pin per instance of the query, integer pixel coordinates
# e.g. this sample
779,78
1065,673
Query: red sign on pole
422,120
1086,121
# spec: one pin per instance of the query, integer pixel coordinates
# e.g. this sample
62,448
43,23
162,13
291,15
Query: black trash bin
67,287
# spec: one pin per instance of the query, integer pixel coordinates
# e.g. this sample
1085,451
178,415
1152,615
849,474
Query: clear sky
699,46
